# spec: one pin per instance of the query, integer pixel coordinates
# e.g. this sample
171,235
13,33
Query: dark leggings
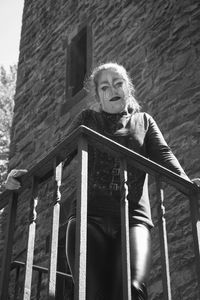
104,267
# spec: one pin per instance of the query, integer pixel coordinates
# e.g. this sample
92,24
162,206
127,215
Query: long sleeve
159,151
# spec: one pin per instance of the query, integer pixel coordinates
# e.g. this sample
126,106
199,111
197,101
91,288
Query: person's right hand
12,182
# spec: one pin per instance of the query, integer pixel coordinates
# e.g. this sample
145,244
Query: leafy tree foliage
7,91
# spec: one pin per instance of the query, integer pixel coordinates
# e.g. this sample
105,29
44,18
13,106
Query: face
112,91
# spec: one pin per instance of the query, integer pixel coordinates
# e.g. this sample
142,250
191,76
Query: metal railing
80,139
41,271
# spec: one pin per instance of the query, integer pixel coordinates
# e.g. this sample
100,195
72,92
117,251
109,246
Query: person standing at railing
120,119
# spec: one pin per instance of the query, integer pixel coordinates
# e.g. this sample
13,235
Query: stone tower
158,42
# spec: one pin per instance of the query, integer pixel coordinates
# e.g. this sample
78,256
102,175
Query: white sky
10,30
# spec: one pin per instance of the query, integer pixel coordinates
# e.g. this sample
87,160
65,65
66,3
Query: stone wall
158,42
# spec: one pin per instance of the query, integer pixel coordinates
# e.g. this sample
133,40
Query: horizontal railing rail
44,270
53,163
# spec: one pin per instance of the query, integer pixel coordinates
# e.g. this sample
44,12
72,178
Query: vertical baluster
125,233
81,221
31,240
16,282
12,210
163,241
39,284
195,219
55,231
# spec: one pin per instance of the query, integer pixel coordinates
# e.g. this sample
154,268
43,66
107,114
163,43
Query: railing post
31,240
163,241
126,272
54,232
16,282
81,221
195,219
12,210
39,285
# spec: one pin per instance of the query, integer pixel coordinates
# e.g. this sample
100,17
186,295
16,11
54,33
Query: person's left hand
196,181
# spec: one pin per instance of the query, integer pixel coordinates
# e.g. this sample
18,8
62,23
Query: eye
104,88
119,84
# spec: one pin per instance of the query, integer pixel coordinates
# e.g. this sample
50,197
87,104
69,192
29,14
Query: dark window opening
78,62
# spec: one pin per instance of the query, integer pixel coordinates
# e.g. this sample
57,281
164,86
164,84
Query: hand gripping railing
80,139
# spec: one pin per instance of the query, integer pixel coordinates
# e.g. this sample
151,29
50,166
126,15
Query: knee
138,290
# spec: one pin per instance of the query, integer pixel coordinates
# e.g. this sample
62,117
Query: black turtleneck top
139,132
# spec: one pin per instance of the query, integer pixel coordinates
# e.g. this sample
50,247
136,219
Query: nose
113,89
110,93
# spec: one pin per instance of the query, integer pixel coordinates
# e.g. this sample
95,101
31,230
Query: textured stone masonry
158,42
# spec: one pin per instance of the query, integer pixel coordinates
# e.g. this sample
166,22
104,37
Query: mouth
115,99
